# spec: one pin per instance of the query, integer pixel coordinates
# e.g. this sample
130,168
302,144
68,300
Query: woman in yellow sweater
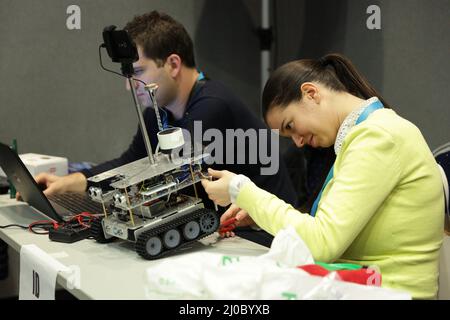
382,203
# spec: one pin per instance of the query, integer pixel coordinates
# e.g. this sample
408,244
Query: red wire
42,223
83,219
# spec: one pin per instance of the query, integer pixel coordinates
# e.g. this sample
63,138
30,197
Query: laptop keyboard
76,202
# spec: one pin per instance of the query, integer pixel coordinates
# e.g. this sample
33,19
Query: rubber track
140,245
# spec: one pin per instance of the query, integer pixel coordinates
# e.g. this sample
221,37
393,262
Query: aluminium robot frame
142,202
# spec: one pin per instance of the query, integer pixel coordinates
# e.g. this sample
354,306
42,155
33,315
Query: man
166,57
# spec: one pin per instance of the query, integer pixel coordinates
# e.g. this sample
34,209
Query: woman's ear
310,91
173,65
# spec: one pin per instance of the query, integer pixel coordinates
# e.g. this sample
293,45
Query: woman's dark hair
334,71
160,36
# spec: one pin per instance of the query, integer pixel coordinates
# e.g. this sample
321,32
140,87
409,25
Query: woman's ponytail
332,70
347,74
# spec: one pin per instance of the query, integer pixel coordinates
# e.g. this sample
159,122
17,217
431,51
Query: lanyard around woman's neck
364,115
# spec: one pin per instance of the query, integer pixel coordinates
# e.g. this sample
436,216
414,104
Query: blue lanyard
363,116
201,76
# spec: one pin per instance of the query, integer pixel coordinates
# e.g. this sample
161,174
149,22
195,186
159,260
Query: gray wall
407,60
55,99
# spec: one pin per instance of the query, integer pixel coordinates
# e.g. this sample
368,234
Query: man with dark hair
166,57
160,35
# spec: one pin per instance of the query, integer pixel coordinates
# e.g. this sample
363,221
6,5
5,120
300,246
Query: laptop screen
24,183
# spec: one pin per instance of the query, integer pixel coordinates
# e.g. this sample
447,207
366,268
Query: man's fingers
18,197
42,178
52,189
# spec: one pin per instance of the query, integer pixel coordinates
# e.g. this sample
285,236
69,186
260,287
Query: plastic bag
273,275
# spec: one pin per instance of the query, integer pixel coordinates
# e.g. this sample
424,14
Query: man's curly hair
160,35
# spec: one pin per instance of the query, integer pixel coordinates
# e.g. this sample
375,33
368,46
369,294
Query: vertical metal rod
104,209
142,213
193,181
215,204
129,205
142,125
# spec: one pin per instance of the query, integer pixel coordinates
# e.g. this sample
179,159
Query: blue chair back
442,156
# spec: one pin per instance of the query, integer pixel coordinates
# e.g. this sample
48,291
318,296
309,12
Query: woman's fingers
241,214
215,173
227,234
217,190
230,213
205,183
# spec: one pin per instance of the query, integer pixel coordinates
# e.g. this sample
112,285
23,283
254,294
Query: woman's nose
298,140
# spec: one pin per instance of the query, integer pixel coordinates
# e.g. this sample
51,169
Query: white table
107,271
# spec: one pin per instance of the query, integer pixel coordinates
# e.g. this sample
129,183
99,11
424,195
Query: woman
382,204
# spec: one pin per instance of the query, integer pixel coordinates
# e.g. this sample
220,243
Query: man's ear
173,65
310,91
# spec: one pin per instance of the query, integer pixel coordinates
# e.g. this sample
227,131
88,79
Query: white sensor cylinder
170,139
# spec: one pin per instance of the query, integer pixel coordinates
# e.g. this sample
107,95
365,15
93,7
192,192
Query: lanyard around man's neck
363,116
201,77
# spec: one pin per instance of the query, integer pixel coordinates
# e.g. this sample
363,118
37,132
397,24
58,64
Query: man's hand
218,190
75,182
243,219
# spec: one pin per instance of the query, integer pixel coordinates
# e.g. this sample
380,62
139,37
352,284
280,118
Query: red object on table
362,276
228,225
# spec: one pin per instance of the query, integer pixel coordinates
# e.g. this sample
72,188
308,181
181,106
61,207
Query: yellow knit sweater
384,206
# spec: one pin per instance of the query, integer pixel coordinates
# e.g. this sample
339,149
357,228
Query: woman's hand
243,219
218,190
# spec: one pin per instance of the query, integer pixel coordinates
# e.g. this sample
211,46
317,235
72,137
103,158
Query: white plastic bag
273,275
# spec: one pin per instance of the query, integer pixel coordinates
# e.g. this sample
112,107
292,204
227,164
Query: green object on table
339,266
12,190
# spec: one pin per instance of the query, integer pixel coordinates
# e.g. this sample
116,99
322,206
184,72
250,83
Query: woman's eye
289,126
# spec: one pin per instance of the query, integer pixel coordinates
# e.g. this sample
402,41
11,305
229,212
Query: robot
143,201
144,204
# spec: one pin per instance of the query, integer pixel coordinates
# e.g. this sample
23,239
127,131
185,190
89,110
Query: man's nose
127,84
298,140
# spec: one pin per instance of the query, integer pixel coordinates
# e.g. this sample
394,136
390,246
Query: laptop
59,207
